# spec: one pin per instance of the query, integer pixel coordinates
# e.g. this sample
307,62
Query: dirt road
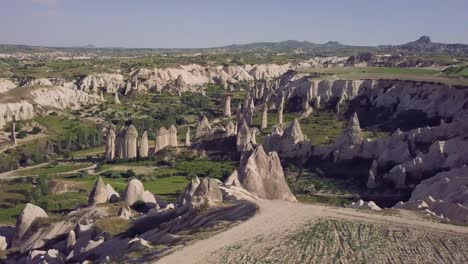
277,218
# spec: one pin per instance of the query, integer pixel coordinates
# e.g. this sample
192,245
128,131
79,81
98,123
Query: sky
212,23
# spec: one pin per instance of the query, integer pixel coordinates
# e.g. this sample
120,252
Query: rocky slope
25,102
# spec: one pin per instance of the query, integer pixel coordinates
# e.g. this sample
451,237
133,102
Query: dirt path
9,175
277,217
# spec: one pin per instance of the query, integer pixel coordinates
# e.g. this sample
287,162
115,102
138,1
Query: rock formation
239,113
207,194
144,145
162,139
230,129
25,219
136,192
13,134
110,144
262,175
203,127
95,82
187,137
6,85
280,110
130,143
243,140
371,184
71,240
173,136
112,195
249,111
98,194
264,123
116,98
227,106
253,138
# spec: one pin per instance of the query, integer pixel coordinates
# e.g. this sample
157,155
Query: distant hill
421,45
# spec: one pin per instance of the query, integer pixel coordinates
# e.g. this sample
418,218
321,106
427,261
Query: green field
52,169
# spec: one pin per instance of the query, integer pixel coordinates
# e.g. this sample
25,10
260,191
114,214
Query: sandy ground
9,175
277,218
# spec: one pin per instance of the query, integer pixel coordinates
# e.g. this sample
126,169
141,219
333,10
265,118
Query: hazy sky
208,23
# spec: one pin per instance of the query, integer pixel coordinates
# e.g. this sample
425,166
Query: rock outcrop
264,123
262,175
110,144
244,136
173,136
227,106
25,219
143,151
110,83
203,127
187,137
98,194
6,85
136,192
130,143
207,194
162,139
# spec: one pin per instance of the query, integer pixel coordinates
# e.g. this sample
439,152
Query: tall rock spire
110,144
280,110
130,142
116,98
264,123
243,140
227,106
144,145
173,136
13,134
187,137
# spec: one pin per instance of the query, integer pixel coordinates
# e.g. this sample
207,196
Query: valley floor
284,232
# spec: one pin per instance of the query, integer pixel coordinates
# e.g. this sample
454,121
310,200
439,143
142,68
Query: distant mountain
421,45
424,44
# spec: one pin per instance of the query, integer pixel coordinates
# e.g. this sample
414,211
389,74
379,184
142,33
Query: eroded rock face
173,136
25,219
187,137
110,83
262,175
98,194
162,139
6,85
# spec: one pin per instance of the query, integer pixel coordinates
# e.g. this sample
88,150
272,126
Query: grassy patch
52,169
113,225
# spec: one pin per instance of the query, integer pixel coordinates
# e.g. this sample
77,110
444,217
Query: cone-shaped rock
136,192
262,175
144,145
203,127
207,194
98,194
25,219
244,138
230,129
